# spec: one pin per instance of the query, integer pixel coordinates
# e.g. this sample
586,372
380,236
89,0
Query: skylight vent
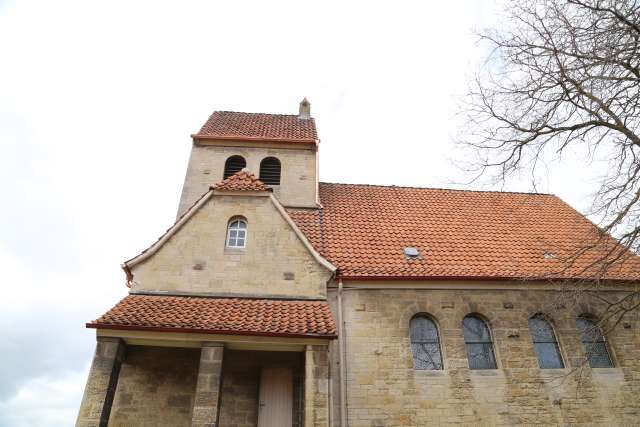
412,253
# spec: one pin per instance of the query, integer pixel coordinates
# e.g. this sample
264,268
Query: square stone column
101,384
206,406
316,386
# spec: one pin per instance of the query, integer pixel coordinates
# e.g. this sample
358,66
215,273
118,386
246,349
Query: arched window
232,165
237,233
545,343
270,171
593,341
425,343
477,339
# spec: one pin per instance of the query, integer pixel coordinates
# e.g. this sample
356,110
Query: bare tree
562,74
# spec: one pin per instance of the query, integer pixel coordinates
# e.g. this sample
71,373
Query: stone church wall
274,263
298,183
383,389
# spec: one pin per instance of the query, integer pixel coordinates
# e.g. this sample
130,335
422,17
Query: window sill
606,372
431,373
487,372
554,372
229,250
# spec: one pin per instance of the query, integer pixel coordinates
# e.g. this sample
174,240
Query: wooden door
276,398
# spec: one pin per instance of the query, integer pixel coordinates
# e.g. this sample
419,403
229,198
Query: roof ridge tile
243,180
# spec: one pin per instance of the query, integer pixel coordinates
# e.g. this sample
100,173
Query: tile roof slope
237,316
241,181
362,229
230,124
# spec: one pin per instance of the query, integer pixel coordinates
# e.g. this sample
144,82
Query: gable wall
195,259
383,389
298,183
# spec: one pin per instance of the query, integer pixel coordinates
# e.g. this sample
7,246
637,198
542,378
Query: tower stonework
291,139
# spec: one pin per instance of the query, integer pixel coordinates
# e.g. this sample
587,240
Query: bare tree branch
564,74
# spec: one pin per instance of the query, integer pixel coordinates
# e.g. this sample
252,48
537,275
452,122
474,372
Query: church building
277,300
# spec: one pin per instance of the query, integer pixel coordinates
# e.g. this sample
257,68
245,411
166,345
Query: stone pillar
101,384
207,399
316,386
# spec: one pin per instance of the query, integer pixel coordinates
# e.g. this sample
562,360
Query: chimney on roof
305,109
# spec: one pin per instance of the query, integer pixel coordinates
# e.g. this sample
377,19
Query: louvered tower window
232,165
270,171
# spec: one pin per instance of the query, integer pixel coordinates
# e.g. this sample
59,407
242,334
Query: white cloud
47,401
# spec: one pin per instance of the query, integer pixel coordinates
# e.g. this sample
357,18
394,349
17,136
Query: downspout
343,367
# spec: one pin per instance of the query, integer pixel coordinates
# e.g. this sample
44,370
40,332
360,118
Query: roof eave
93,325
392,277
200,137
231,192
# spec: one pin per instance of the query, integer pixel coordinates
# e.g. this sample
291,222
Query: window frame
593,321
245,230
490,342
544,318
438,342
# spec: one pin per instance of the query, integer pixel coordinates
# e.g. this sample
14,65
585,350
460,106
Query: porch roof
234,316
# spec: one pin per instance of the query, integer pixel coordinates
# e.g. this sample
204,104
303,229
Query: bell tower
280,149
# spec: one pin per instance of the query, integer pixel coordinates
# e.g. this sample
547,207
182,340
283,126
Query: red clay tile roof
241,181
236,316
258,126
363,229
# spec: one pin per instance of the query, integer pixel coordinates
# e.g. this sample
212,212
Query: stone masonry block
207,399
101,383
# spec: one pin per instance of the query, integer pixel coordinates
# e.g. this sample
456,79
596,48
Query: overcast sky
97,102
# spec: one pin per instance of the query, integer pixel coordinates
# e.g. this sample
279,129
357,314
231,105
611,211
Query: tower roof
259,127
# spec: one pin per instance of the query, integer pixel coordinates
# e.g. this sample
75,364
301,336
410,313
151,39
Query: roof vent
549,255
411,253
304,112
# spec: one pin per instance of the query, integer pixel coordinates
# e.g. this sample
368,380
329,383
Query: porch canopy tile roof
233,316
363,230
259,126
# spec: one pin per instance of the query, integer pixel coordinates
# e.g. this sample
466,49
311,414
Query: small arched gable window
593,341
270,171
545,343
425,343
477,339
237,233
232,165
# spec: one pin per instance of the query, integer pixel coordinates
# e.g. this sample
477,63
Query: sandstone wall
274,263
316,396
298,182
383,389
156,387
